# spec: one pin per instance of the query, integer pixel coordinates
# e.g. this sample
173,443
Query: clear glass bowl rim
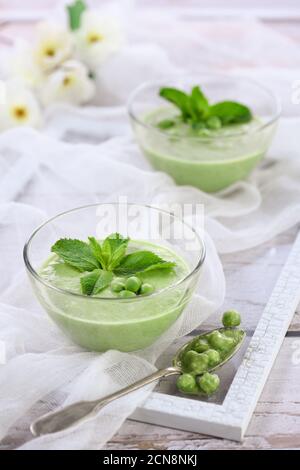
35,274
143,86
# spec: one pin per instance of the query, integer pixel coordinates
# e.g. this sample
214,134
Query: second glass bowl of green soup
207,158
108,319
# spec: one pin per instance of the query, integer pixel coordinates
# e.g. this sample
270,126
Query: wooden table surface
250,276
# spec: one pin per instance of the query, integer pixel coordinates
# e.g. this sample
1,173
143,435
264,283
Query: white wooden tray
229,414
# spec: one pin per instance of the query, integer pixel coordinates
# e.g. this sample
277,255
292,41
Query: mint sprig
111,251
100,261
196,110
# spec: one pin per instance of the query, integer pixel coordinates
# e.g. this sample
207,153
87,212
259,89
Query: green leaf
88,281
76,253
103,281
199,103
115,240
97,251
113,249
140,261
231,112
177,97
75,11
166,124
94,282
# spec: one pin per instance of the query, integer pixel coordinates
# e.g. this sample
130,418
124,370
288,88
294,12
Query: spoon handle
68,416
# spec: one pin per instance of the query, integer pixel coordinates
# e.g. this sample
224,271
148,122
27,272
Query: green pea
213,357
117,285
214,123
236,335
200,345
127,294
146,289
194,362
186,383
133,284
231,318
204,132
166,124
221,342
197,126
209,383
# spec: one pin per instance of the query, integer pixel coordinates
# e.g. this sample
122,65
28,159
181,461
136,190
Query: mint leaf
75,11
103,281
94,282
140,261
97,251
199,103
76,253
177,97
231,112
88,281
113,249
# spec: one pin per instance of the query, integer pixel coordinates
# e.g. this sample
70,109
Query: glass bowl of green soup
207,131
114,276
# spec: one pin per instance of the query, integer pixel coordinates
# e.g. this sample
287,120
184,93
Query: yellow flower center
50,51
94,37
68,80
20,113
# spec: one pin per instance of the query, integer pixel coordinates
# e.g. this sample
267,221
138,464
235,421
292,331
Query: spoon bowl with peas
194,363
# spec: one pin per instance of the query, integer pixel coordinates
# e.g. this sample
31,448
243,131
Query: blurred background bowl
208,162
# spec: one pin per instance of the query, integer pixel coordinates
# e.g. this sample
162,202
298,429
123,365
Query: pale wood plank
251,276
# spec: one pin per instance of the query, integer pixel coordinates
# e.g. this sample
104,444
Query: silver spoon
68,416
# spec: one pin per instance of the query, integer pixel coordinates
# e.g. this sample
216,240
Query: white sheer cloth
81,158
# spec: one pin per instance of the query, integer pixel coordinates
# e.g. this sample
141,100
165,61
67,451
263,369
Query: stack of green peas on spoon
208,352
131,287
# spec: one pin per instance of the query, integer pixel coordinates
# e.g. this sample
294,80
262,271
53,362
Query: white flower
53,45
20,107
97,38
68,84
22,65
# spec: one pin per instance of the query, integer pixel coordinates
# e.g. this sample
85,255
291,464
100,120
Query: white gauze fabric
40,360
